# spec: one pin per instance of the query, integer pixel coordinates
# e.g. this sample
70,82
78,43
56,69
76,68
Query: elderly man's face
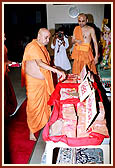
82,20
44,37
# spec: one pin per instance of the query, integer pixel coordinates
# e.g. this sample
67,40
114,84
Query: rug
20,147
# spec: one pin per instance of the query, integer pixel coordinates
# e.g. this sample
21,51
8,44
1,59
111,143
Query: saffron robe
37,90
82,54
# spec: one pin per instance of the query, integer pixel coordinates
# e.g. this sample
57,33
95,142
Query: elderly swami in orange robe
82,51
37,77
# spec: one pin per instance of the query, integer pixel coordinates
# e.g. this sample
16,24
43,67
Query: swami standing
37,77
82,51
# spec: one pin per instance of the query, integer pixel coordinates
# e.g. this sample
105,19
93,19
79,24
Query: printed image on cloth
88,156
68,111
91,109
80,156
69,128
83,73
72,78
65,156
84,90
56,128
68,93
68,120
63,127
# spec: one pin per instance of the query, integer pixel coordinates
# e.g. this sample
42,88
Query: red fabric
20,147
10,101
15,65
99,92
93,139
56,94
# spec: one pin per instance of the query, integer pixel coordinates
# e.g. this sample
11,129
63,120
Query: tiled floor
15,76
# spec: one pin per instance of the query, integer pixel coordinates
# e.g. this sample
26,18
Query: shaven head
82,19
83,14
43,36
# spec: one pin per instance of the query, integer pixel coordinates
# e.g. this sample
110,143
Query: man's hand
74,40
78,41
62,77
61,74
63,42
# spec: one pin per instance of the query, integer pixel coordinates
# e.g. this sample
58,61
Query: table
105,146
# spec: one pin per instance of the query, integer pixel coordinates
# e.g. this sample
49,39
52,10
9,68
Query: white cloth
60,58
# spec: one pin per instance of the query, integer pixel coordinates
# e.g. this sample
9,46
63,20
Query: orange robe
38,91
82,54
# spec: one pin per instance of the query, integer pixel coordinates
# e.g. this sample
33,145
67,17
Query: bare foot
32,137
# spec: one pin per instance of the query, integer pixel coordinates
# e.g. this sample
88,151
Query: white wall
59,13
